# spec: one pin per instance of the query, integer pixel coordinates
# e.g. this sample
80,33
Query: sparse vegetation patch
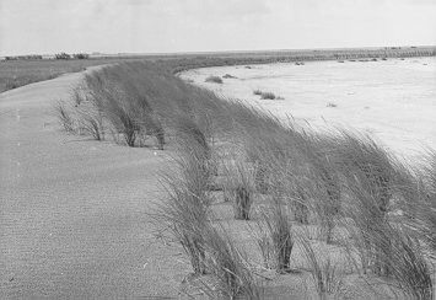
214,79
267,96
257,92
227,76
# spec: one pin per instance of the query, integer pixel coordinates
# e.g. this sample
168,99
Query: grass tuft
257,92
267,96
324,272
214,79
64,117
228,265
227,76
274,238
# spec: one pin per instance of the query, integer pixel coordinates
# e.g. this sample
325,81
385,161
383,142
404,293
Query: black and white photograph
218,149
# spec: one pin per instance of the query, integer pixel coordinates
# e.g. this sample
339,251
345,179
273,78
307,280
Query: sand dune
73,216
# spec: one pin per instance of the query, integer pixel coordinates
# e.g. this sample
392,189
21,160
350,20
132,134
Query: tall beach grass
361,198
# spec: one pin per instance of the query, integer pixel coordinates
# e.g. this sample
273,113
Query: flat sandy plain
393,100
73,211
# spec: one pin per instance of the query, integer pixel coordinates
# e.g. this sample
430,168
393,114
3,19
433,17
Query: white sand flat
394,100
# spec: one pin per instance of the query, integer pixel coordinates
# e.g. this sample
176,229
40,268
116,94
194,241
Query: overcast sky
113,26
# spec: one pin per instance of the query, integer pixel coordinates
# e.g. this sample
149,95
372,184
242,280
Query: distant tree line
61,55
23,57
64,55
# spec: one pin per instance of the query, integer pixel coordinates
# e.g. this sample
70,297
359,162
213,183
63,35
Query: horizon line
99,54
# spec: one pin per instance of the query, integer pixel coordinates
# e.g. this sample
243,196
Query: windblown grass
274,237
64,116
239,188
185,211
324,272
340,182
228,265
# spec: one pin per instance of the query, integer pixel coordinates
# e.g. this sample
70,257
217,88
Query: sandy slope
73,215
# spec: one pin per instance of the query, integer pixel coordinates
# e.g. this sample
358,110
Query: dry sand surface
394,100
73,212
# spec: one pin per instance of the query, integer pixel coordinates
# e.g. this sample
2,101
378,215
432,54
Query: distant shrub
267,96
81,56
215,79
62,55
257,92
229,76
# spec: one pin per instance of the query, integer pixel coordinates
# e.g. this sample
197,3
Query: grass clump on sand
64,116
274,238
185,211
214,79
239,188
267,96
324,272
105,103
228,265
227,76
257,92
